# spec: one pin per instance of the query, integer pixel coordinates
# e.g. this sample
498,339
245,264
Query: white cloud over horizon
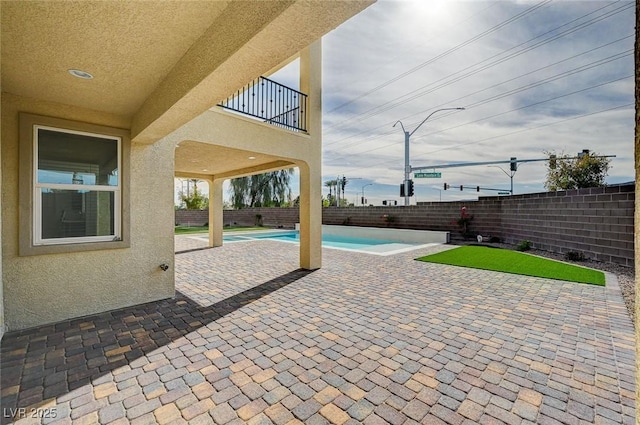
556,77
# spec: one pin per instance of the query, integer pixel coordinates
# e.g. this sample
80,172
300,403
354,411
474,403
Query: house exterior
104,103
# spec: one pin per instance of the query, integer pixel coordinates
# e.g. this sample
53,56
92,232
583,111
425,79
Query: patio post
311,170
215,212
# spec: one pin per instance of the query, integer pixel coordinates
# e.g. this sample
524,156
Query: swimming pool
350,243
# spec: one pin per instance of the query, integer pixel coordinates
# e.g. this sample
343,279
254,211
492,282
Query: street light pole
370,184
407,162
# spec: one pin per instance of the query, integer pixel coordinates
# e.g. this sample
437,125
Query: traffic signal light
402,189
410,190
344,182
552,162
384,202
514,165
477,188
446,186
461,187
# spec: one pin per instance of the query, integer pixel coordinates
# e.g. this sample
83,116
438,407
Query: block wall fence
597,221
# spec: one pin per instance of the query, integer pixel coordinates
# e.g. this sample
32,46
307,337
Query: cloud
548,79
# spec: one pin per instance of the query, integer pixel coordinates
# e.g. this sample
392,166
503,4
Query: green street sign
427,175
504,193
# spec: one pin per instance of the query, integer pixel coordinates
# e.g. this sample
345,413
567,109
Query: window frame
30,215
38,192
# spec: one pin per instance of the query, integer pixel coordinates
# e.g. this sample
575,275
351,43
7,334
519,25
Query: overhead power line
527,74
446,53
533,128
589,114
503,113
457,100
486,64
528,106
525,87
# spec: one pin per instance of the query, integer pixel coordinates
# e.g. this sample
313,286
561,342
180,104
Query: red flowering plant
464,222
388,218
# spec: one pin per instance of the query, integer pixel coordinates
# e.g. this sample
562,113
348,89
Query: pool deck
252,339
392,248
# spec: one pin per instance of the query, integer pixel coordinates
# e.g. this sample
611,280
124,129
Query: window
75,180
77,189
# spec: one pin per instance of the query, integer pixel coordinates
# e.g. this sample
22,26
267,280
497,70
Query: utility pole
407,163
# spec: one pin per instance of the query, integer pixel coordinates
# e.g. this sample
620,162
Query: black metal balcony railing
272,102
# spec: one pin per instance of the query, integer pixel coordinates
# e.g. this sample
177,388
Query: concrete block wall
430,216
271,217
192,217
597,221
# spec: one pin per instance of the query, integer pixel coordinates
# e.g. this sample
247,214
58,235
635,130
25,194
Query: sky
533,77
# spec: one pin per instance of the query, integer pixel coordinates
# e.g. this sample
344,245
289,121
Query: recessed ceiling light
205,169
252,157
81,74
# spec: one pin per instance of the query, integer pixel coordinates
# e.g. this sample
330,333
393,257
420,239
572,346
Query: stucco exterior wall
42,289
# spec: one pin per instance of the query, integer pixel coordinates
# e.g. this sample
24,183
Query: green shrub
389,219
574,256
525,245
464,223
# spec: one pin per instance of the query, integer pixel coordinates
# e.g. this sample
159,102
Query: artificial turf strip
506,261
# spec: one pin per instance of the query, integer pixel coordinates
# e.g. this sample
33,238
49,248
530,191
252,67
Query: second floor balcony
270,102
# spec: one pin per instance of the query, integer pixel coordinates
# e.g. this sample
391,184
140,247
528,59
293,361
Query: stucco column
310,217
215,212
311,170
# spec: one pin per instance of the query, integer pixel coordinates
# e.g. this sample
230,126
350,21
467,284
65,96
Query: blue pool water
333,241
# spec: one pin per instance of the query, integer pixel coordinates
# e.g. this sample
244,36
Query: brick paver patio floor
252,339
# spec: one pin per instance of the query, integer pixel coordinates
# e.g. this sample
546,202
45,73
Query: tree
331,197
588,169
194,199
262,190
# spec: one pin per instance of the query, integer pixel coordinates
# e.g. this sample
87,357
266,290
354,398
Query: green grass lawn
181,230
504,260
244,228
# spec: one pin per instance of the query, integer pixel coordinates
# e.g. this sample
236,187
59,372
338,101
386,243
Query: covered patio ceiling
197,159
155,64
